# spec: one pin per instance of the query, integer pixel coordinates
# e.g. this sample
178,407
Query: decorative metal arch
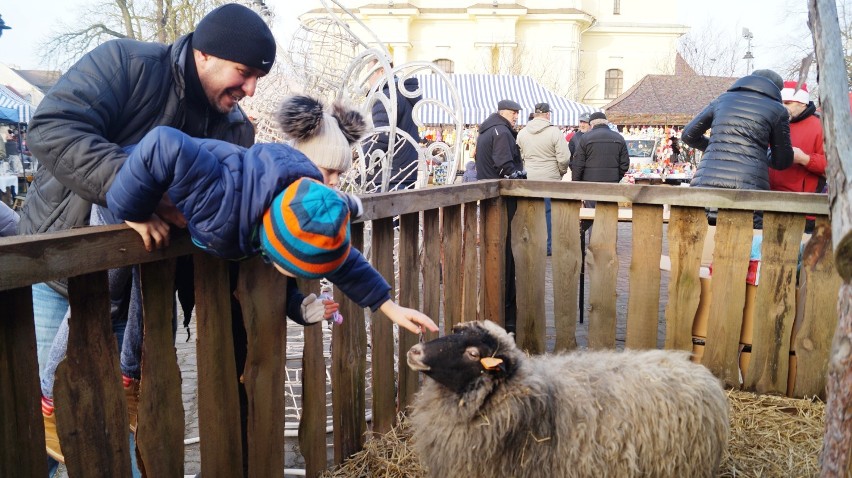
328,60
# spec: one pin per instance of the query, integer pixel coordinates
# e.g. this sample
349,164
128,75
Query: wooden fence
451,239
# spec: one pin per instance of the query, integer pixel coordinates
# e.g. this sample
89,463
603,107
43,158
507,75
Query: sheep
488,410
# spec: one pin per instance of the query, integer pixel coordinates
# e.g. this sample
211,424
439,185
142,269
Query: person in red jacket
807,173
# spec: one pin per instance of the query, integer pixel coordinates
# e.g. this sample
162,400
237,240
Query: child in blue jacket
224,190
267,199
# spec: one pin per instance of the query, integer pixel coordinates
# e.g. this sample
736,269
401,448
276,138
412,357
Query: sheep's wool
583,414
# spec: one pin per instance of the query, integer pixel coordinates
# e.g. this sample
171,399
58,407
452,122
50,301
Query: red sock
126,381
46,406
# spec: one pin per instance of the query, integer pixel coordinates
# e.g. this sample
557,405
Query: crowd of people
170,152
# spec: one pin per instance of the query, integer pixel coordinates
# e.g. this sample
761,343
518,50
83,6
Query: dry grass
770,437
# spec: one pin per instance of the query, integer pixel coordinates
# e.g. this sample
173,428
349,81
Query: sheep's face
460,360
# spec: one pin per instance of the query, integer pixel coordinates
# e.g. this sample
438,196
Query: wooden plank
390,204
452,261
775,306
27,260
432,267
21,428
739,199
470,263
565,261
409,296
91,413
602,268
643,299
160,429
218,403
263,303
819,289
687,232
730,265
36,258
493,225
312,434
381,329
349,370
529,246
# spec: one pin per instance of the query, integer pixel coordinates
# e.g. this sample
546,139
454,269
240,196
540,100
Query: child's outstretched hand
154,232
408,318
315,309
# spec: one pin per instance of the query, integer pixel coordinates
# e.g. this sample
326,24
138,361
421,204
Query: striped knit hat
306,229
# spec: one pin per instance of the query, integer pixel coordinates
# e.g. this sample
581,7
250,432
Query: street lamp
748,35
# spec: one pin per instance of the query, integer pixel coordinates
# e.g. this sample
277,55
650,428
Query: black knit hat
236,33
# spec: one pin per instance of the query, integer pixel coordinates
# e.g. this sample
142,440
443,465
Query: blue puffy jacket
223,190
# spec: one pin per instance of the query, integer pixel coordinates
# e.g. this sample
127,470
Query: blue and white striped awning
9,99
479,95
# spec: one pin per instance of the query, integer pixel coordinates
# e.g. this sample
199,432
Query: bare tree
543,65
712,52
147,20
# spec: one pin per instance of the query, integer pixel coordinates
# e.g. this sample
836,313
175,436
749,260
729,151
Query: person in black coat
498,157
744,121
497,153
581,130
404,167
601,155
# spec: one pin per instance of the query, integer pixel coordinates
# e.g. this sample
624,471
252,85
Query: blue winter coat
223,190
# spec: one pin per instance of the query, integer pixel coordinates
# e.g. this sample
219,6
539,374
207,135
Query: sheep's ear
491,363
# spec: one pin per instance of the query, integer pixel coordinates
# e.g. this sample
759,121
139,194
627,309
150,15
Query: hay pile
773,436
770,437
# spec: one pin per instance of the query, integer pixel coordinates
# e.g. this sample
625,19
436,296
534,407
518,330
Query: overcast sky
775,24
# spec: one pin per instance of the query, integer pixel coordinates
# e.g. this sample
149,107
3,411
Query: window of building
616,7
614,83
446,65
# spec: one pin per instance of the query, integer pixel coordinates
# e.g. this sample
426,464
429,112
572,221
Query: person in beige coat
545,153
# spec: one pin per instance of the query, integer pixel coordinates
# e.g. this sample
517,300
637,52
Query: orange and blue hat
306,229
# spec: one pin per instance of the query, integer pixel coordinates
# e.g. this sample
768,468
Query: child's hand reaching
408,318
154,232
315,309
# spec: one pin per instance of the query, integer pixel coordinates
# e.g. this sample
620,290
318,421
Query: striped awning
479,95
9,99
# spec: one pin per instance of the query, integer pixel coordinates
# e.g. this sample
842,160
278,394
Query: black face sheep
488,410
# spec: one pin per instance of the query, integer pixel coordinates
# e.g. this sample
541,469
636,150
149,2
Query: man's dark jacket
744,121
497,153
575,140
111,98
601,156
404,167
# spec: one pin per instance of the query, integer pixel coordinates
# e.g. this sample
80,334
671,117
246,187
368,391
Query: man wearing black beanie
110,99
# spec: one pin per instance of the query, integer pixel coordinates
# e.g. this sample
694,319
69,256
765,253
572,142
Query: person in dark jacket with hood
404,166
498,157
743,122
601,155
110,99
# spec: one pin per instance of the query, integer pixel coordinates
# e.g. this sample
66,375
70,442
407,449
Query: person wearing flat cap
545,154
498,157
601,155
110,99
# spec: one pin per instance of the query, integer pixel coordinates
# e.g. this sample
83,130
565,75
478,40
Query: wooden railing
451,239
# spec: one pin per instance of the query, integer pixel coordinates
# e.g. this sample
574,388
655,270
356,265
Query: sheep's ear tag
491,363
